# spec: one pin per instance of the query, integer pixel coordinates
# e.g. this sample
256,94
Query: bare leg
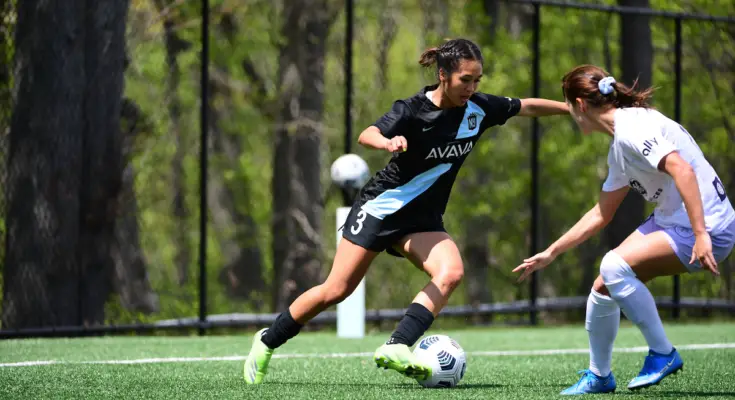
349,267
436,254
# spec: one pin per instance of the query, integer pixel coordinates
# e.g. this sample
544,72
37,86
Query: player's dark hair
588,82
448,56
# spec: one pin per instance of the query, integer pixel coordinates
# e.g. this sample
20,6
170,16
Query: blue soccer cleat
590,383
656,368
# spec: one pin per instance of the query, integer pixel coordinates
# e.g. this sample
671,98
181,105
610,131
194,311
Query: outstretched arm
542,108
592,222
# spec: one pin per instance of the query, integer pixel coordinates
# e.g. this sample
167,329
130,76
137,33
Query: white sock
635,300
602,322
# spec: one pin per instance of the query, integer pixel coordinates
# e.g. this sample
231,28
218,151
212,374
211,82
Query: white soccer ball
445,357
350,171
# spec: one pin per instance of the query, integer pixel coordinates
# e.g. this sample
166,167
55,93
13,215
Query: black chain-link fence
102,224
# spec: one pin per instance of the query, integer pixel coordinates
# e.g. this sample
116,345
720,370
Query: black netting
100,143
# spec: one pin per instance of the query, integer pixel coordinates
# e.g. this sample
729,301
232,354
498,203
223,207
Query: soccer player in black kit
400,209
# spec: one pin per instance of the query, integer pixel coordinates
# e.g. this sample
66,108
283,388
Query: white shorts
681,240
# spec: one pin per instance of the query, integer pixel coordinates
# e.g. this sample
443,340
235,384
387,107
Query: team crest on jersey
638,187
720,189
472,121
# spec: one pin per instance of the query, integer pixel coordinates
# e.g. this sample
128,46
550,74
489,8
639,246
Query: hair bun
605,85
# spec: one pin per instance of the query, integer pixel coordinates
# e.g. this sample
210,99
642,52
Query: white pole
350,312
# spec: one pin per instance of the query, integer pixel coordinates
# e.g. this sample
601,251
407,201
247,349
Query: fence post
677,117
204,93
534,158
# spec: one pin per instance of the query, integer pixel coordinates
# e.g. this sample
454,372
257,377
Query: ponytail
597,87
428,57
630,96
448,56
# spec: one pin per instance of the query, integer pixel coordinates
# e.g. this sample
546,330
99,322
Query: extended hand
534,263
702,251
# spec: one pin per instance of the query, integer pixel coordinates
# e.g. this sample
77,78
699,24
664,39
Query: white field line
501,353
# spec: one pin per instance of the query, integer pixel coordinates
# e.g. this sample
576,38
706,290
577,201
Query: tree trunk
436,21
7,27
131,276
242,272
103,162
492,11
477,259
519,19
636,63
65,162
174,46
389,29
297,209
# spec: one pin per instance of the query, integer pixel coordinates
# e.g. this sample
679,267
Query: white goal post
350,312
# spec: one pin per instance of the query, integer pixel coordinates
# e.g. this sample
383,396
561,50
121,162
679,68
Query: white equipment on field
350,172
445,357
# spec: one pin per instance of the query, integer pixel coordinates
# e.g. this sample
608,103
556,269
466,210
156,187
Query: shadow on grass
677,394
411,386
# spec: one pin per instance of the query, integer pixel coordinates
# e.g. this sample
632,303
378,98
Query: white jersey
642,138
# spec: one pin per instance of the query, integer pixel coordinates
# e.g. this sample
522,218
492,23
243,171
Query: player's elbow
605,217
366,136
361,138
684,172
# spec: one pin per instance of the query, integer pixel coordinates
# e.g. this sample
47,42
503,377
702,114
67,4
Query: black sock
417,320
284,328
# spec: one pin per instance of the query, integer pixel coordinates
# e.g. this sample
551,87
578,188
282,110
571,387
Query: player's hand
397,144
702,251
534,263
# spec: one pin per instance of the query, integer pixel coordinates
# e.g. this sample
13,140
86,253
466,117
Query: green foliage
495,183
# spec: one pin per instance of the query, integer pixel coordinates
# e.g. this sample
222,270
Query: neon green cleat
400,358
256,365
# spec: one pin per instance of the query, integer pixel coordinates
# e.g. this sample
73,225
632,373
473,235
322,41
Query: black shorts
379,235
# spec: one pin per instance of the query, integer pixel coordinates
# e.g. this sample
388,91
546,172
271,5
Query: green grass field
320,366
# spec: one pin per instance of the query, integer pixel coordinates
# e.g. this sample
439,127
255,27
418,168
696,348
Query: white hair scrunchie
605,85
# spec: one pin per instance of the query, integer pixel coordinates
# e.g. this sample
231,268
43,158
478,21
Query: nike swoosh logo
670,363
428,129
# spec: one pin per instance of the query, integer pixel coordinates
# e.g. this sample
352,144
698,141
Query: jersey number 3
719,188
355,229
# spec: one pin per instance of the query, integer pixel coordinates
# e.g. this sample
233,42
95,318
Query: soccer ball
350,171
445,357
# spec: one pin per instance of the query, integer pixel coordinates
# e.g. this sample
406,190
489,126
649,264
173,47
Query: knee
613,269
451,274
599,287
335,292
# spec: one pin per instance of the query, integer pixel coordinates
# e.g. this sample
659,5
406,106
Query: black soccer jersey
418,182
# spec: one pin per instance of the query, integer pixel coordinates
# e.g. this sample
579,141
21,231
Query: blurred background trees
122,237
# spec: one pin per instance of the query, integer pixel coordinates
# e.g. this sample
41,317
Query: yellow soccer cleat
400,358
256,365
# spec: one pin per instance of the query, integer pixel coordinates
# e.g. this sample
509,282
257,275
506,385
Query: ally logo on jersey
648,146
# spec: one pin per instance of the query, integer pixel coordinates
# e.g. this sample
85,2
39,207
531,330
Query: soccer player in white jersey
692,227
